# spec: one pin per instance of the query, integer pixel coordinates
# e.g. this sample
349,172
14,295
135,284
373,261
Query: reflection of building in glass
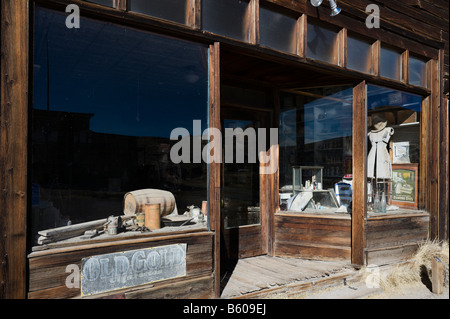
83,175
316,130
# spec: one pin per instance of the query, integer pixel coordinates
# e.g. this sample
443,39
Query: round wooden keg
134,202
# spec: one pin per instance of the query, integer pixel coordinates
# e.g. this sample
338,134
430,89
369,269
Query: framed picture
404,185
401,153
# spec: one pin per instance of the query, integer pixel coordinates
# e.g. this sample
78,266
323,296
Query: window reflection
173,10
390,63
316,150
417,71
394,155
106,99
359,54
240,189
226,17
322,43
273,25
109,3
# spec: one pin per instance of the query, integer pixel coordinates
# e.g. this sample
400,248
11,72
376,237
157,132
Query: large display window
316,150
106,100
394,159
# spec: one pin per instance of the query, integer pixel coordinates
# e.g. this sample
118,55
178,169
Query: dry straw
417,269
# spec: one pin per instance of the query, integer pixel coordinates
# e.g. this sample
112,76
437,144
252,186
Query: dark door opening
242,220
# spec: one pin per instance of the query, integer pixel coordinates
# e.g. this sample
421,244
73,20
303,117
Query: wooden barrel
134,202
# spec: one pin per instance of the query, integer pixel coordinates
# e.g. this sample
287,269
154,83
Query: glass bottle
383,203
376,203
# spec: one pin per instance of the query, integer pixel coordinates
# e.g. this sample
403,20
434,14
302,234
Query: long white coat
378,155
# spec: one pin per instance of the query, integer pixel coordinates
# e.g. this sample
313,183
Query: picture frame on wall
405,185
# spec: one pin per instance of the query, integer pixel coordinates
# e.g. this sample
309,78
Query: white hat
379,122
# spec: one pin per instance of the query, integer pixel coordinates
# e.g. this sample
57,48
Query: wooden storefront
259,69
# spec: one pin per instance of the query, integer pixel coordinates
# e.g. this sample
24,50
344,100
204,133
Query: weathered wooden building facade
89,103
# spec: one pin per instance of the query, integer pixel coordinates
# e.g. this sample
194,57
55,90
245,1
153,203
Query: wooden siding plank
324,237
48,272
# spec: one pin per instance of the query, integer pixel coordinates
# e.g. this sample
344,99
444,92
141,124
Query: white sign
132,268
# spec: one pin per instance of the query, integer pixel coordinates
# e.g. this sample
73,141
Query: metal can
140,219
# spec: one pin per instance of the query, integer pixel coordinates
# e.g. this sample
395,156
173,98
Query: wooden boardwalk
258,276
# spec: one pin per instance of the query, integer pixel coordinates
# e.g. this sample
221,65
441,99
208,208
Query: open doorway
251,90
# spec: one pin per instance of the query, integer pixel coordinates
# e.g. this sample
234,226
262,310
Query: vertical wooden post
405,67
359,173
433,159
376,48
215,167
302,35
424,144
13,147
443,155
437,276
275,186
194,11
253,21
342,48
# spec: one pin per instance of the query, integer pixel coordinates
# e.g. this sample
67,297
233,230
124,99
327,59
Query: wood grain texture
393,238
215,167
48,268
313,237
13,147
359,173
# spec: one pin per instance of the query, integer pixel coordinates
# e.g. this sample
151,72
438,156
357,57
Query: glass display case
306,178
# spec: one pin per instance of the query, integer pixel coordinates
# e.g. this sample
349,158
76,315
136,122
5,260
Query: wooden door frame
214,167
265,183
359,169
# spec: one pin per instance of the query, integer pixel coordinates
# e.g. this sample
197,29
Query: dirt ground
411,279
415,290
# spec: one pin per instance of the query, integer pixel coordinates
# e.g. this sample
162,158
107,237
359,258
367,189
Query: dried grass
417,269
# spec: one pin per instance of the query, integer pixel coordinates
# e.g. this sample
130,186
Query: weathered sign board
108,272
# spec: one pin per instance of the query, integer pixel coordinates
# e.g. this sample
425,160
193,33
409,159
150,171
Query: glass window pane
109,3
240,188
322,43
315,137
173,10
106,100
417,71
390,63
393,160
359,54
243,96
226,17
277,30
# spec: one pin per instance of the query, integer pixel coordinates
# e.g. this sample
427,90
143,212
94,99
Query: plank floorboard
258,274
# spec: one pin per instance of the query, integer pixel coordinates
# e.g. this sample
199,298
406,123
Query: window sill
318,214
105,239
402,212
